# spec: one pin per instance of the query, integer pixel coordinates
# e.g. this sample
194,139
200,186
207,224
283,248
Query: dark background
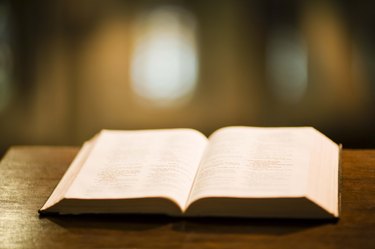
66,67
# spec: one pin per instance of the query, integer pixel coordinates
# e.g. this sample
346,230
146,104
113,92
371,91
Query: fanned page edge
339,203
69,176
317,198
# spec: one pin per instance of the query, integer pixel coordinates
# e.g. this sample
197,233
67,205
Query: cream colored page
254,162
135,164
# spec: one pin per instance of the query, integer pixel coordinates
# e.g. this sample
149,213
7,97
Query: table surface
29,174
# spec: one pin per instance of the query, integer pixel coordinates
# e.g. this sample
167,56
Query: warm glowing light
287,65
164,65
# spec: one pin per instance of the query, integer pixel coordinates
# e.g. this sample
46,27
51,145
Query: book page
254,162
138,164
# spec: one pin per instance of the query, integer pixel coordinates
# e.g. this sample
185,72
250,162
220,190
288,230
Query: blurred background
71,68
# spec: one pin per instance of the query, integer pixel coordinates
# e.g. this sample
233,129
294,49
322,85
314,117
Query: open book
238,171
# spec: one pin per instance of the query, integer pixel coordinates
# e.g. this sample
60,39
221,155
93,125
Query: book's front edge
44,211
339,206
64,183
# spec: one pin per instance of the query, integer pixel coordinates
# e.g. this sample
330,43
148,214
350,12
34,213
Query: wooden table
29,174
